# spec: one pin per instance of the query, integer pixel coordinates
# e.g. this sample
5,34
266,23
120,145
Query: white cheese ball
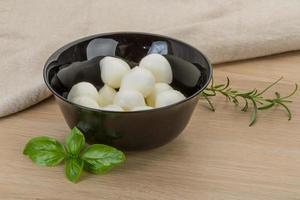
86,102
168,97
139,79
113,70
158,88
112,108
129,99
142,108
83,89
159,66
106,95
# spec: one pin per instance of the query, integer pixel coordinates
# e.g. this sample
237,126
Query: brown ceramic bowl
136,130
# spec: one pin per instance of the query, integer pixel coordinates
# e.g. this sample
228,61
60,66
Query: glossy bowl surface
136,130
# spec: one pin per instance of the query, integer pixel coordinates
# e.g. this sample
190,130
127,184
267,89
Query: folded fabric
224,30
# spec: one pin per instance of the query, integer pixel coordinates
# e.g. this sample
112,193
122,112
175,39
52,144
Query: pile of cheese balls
141,88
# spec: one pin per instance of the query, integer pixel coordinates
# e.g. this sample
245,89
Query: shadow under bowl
136,130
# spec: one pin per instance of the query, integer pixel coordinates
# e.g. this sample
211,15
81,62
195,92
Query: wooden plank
217,157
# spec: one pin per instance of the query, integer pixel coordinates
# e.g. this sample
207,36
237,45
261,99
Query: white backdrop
224,30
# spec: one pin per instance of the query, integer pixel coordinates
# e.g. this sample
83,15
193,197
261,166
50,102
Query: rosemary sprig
254,97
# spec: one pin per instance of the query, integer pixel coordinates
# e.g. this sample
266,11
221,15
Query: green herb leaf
100,158
287,110
75,141
44,151
219,86
267,106
254,112
211,105
73,168
245,108
271,85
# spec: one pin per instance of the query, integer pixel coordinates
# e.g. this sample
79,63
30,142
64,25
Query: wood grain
217,157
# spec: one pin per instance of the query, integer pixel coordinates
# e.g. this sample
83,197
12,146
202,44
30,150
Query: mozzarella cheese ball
159,66
168,97
141,108
86,101
83,89
112,108
129,99
106,95
158,88
113,70
139,79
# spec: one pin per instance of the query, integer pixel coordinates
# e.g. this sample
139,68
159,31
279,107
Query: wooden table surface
216,157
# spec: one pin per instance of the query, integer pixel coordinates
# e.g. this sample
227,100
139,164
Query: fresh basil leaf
73,168
75,141
44,151
100,158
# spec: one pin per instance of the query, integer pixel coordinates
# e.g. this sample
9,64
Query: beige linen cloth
224,30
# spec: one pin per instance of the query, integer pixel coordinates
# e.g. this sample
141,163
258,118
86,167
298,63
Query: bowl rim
70,44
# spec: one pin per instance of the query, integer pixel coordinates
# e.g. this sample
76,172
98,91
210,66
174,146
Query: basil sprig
97,158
